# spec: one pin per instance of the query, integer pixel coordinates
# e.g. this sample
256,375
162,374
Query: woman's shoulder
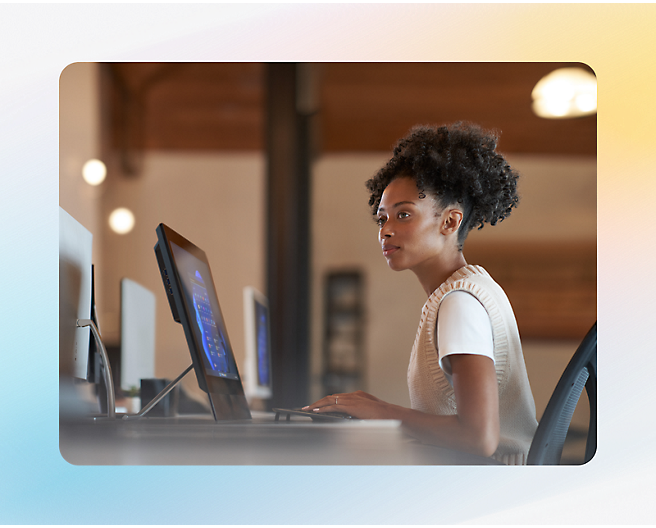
470,272
471,278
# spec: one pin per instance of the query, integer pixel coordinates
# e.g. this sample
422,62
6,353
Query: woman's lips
388,250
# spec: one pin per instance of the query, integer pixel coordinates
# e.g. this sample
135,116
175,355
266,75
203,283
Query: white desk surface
198,440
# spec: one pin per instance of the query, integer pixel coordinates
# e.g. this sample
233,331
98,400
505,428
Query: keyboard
326,417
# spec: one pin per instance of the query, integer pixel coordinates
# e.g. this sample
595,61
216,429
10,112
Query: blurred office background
263,166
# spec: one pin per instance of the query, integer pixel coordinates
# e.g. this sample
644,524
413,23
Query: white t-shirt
463,327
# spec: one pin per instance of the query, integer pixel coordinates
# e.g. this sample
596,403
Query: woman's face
409,227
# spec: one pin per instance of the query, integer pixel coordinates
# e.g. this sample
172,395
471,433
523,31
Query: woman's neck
433,273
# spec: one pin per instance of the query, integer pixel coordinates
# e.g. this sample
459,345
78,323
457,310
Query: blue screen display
209,328
263,356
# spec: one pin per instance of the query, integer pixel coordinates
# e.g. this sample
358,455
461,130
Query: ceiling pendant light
565,93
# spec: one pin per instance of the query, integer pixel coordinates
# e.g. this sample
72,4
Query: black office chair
549,439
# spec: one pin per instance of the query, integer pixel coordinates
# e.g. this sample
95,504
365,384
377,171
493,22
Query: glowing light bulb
94,172
121,220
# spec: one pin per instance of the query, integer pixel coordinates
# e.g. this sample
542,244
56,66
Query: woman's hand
358,404
475,429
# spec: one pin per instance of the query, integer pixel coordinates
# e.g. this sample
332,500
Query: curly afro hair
457,164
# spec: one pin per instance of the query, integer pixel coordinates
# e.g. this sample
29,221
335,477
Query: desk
200,441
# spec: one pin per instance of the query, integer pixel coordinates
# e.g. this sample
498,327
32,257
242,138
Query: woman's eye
403,215
380,221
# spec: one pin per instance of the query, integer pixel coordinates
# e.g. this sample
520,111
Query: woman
467,380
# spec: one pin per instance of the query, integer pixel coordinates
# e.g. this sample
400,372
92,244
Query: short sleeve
463,327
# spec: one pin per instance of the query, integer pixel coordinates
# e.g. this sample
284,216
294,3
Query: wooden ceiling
361,106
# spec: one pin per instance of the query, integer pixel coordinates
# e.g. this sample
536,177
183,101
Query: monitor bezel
226,396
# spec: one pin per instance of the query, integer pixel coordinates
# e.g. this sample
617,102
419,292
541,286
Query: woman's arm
475,429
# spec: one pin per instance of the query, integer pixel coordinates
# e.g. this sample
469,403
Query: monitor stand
107,370
107,376
160,396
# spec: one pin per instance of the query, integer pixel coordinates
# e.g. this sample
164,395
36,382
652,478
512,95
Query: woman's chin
394,266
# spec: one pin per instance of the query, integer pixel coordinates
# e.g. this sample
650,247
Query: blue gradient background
39,41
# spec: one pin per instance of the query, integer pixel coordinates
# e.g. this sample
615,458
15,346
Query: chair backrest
549,439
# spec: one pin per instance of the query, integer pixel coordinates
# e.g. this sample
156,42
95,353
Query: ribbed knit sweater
430,391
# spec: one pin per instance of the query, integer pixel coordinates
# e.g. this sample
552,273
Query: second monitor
257,375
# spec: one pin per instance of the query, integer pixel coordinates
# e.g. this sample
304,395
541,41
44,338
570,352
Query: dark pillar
288,237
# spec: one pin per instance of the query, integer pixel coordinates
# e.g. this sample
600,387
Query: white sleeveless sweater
430,392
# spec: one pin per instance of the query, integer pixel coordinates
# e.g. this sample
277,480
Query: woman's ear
451,220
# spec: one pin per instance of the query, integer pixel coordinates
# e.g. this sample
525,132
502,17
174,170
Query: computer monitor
137,334
257,371
194,304
75,247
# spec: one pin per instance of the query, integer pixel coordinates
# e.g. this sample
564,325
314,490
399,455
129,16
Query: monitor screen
75,247
137,334
194,304
257,380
